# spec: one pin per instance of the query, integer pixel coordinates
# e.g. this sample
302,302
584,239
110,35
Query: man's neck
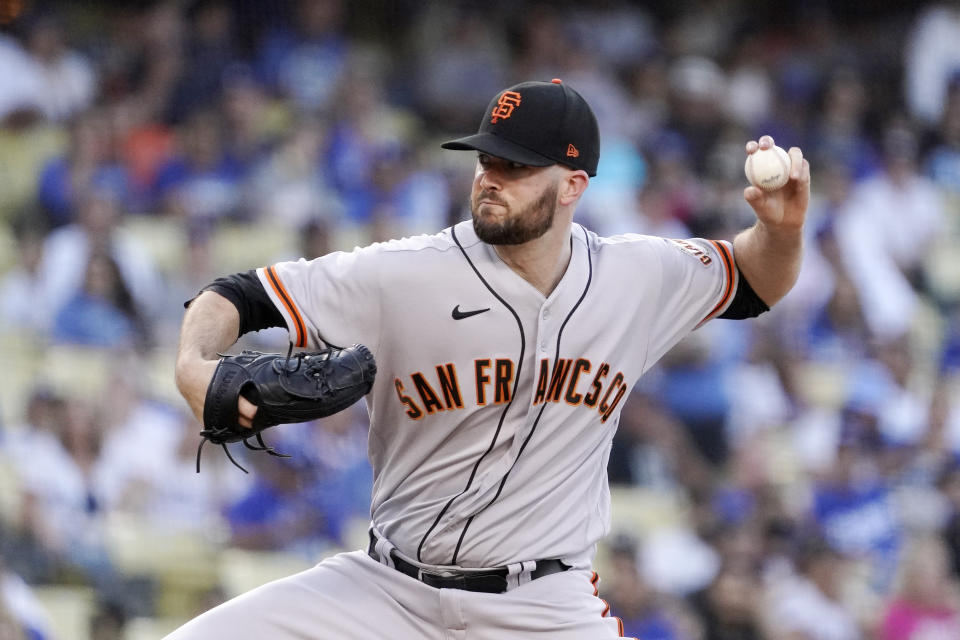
541,262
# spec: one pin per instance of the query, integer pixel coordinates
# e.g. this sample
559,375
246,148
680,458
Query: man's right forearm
210,326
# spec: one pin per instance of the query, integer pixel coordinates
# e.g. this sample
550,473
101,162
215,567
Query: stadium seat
241,571
69,608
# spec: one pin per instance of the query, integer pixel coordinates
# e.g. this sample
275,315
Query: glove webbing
217,431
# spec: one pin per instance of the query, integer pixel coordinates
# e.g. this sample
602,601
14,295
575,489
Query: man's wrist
780,236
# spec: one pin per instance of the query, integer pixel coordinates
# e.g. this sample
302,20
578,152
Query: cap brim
500,148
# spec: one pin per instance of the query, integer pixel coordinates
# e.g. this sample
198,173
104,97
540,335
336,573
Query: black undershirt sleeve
746,303
247,294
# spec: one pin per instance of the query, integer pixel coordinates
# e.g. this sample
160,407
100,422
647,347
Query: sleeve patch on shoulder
691,249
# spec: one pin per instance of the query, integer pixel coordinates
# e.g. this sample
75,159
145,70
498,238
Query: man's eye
483,160
517,165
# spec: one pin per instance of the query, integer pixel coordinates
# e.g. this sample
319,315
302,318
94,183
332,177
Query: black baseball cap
538,124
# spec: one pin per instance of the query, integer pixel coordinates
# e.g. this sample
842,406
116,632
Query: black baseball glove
286,389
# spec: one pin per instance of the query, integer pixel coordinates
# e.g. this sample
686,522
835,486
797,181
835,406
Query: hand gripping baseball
285,389
783,208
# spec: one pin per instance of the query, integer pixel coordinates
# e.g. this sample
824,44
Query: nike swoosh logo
460,315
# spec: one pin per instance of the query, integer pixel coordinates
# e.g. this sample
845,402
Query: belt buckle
442,580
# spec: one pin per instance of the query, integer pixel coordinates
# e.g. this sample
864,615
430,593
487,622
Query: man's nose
489,180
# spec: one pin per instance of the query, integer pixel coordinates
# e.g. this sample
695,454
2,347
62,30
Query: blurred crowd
804,468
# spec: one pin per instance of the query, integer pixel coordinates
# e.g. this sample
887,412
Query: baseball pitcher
504,349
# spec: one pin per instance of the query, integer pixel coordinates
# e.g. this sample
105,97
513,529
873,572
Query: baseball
768,169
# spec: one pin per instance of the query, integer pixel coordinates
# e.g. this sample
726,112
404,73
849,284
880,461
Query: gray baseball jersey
494,407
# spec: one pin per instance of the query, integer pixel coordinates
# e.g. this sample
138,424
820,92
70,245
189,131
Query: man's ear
572,186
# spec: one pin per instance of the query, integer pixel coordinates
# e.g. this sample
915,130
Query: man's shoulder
621,241
441,241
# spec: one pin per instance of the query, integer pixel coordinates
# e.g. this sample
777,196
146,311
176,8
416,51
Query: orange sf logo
505,105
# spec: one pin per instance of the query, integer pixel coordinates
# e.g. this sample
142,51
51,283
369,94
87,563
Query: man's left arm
769,253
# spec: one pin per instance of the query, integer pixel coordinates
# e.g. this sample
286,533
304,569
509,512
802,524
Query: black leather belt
490,581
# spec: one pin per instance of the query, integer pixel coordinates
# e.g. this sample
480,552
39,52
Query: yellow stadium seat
637,511
822,384
21,357
69,608
151,628
241,571
184,565
164,239
240,247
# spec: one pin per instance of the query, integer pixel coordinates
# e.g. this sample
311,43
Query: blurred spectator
287,188
197,271
448,87
278,512
315,238
927,604
253,122
807,604
691,387
22,615
369,135
931,58
306,59
338,447
63,508
67,251
88,164
949,484
651,449
102,313
68,82
44,415
108,623
943,161
885,231
852,504
164,490
646,614
209,50
21,87
148,461
20,307
838,134
697,86
200,182
730,606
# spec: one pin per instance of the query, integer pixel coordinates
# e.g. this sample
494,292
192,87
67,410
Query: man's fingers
765,142
246,411
752,194
796,162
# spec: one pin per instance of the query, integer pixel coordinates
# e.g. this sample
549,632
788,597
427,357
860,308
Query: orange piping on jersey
594,580
606,609
287,301
728,265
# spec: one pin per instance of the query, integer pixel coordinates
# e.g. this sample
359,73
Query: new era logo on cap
538,124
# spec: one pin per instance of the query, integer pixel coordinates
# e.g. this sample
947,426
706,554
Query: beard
520,227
